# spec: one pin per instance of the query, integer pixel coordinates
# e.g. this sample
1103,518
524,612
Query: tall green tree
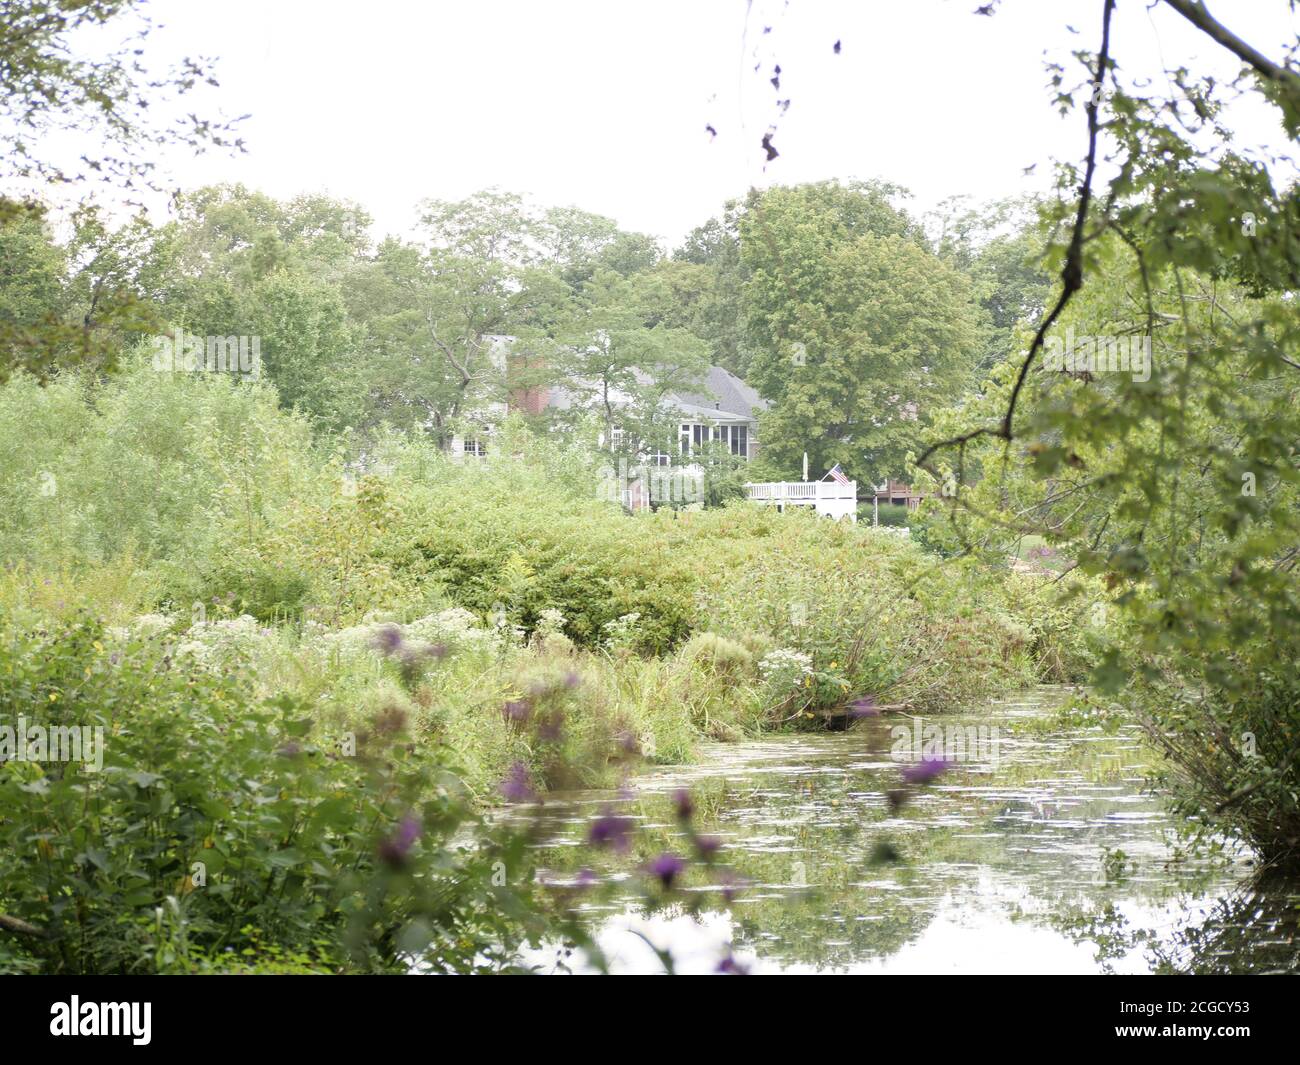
620,365
859,331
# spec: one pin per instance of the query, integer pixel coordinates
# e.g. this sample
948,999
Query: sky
604,105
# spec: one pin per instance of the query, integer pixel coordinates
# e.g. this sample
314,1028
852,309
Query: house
898,493
725,410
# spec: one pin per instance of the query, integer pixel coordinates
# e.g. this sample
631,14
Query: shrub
222,830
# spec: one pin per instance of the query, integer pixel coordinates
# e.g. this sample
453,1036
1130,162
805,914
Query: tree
239,263
619,365
859,332
432,309
45,86
1174,481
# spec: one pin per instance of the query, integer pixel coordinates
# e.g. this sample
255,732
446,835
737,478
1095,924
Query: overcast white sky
603,103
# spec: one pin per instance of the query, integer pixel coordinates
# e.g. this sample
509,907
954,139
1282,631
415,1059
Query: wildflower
864,707
394,850
517,709
731,965
666,868
610,830
388,639
517,787
685,805
730,886
707,846
925,770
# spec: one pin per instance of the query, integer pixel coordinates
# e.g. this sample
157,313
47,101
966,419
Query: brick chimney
532,400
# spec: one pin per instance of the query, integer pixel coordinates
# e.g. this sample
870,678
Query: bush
891,514
223,830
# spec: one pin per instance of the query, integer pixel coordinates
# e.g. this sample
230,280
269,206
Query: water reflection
1044,856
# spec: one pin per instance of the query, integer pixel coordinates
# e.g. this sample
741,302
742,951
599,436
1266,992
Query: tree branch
20,927
1071,271
1195,12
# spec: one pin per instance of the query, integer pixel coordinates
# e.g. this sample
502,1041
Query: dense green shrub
224,831
891,514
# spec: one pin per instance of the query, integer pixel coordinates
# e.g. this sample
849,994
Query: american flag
837,475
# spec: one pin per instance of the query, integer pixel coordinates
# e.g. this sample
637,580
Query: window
694,436
740,440
475,447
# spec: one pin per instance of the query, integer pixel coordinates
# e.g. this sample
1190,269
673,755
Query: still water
1042,854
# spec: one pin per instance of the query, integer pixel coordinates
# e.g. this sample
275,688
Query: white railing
829,498
801,491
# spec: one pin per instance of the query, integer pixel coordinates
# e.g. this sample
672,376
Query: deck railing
800,491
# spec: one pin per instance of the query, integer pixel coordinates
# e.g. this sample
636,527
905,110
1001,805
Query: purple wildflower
610,830
925,770
388,639
571,679
732,965
864,707
707,846
586,878
517,786
684,803
517,710
394,850
666,868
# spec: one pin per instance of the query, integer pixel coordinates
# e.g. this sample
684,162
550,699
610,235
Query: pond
1041,852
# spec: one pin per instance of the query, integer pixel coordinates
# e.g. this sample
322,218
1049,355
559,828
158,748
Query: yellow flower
834,664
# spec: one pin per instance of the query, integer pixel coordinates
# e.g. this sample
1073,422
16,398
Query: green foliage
858,330
1173,482
197,464
223,830
46,86
895,515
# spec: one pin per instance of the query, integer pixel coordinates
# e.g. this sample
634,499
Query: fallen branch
20,927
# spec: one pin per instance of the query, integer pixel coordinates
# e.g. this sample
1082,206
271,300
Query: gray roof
728,397
725,393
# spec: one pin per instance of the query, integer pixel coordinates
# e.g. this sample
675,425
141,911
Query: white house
725,411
